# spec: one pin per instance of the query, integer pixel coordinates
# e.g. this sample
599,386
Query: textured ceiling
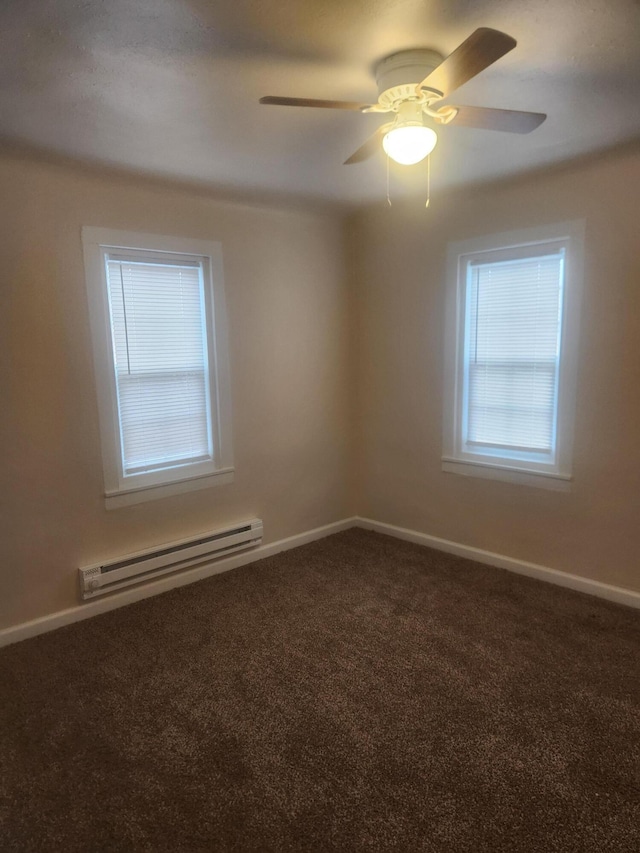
171,87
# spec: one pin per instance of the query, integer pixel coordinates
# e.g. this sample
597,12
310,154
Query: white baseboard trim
532,570
44,624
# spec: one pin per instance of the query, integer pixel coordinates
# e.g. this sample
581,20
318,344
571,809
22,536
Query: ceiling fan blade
511,121
312,102
479,51
370,146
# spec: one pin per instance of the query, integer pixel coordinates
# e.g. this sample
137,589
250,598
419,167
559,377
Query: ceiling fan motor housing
398,75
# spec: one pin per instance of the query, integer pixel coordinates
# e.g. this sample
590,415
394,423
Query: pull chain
428,201
428,180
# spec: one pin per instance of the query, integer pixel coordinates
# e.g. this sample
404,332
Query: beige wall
337,391
286,300
399,257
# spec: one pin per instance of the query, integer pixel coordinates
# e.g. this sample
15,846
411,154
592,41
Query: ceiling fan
412,82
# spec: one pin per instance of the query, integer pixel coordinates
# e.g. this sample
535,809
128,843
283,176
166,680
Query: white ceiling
171,87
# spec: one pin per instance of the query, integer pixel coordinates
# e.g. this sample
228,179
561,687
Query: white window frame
121,490
457,457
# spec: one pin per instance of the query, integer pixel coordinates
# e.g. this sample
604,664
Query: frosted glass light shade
409,144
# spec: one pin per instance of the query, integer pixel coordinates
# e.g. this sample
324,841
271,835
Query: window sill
521,476
129,497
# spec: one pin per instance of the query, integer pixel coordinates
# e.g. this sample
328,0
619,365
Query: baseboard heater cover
147,565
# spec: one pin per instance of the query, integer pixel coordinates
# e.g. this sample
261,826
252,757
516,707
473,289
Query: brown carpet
358,693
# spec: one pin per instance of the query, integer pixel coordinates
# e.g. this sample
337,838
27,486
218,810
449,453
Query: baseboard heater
171,557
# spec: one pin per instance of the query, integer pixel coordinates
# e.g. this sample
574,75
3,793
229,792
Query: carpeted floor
358,693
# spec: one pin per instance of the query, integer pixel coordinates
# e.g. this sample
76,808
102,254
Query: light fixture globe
410,142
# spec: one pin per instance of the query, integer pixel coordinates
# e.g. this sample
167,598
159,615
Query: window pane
512,405
158,322
163,421
512,352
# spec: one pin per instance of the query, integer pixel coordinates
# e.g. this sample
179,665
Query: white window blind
158,320
511,354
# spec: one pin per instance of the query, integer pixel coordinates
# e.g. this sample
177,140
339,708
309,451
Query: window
158,325
510,366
